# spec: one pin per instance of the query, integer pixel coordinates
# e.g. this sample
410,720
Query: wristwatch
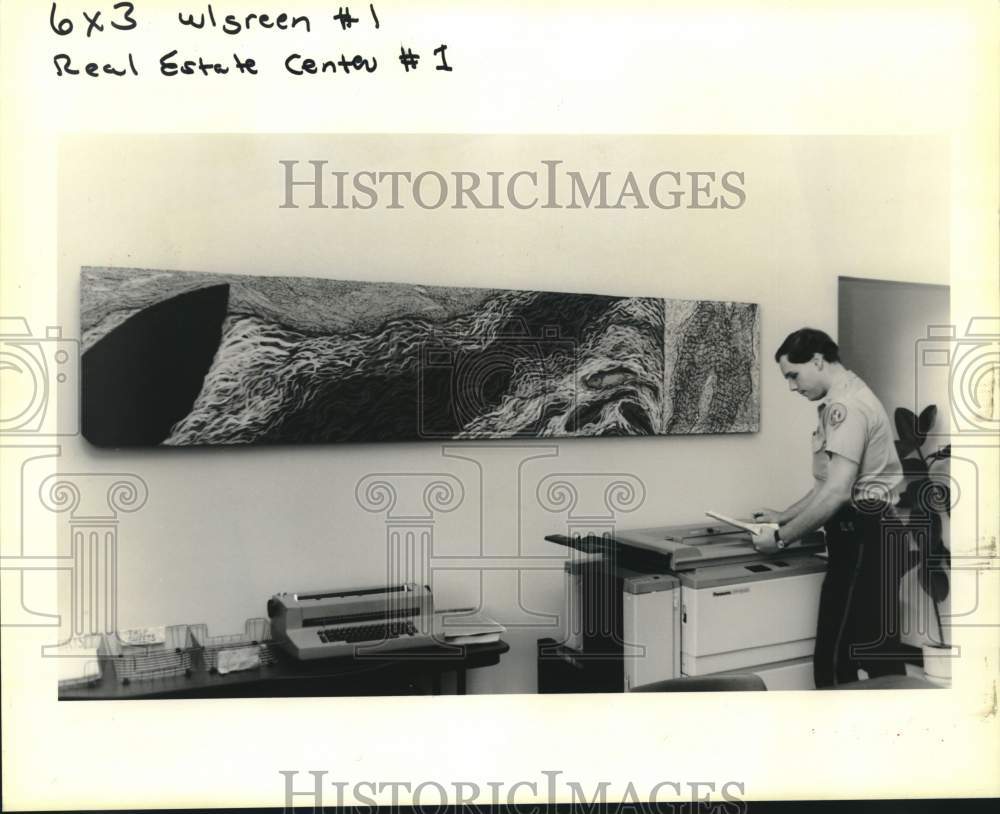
778,541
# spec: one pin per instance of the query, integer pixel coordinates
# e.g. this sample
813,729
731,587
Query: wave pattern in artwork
403,362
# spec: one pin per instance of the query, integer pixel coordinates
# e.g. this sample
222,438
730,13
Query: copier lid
682,547
699,544
690,546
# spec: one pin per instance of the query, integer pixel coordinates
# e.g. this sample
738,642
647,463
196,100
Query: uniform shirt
852,422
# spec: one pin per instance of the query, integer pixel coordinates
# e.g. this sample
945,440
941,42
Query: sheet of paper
753,528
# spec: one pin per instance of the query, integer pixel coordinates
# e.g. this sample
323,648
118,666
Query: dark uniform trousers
858,623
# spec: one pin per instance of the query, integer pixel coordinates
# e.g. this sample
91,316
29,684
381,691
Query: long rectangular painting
187,359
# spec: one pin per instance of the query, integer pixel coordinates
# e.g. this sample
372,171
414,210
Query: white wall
222,529
883,333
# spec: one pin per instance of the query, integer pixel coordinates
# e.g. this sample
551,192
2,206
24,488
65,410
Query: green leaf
906,427
903,449
935,563
926,421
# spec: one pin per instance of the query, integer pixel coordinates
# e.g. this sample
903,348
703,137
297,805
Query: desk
400,674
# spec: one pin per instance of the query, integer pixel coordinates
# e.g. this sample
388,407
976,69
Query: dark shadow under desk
404,672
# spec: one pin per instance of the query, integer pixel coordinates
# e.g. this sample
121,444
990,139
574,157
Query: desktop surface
402,672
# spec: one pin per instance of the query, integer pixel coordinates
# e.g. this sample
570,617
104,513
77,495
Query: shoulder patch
836,414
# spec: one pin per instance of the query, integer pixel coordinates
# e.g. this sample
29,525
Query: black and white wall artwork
185,359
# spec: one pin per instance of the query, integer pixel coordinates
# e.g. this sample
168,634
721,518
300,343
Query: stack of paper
466,626
232,659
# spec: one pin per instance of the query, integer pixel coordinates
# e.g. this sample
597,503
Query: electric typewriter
354,622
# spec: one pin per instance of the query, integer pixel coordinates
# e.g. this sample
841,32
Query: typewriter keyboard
367,633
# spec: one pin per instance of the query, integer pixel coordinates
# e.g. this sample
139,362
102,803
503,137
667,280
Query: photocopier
651,604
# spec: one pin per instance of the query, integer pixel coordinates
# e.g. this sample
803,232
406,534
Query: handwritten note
73,23
143,636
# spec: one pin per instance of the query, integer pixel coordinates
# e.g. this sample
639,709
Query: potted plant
926,499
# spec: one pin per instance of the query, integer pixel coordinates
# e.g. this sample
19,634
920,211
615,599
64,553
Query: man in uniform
855,474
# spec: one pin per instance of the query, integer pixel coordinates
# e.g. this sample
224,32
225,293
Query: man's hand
763,540
767,516
825,502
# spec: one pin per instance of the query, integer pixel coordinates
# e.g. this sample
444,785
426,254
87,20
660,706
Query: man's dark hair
800,347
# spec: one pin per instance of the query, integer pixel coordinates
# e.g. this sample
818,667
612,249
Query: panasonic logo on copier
733,591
